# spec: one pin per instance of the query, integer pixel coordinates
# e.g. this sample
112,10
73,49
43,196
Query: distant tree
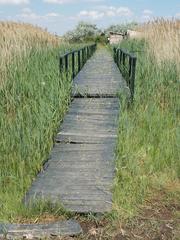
122,28
83,32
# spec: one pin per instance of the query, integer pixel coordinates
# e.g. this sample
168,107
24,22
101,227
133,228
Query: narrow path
80,169
99,77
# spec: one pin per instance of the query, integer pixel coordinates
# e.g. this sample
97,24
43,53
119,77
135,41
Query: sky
60,16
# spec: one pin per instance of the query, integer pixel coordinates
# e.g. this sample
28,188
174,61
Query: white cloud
147,12
15,2
177,15
70,1
106,12
52,14
28,14
57,1
123,11
91,14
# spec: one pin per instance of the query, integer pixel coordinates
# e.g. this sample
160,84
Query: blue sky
59,16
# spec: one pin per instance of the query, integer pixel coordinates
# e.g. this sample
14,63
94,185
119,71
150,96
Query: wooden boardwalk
99,77
80,169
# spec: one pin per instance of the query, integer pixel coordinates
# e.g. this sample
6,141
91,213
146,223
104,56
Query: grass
148,157
33,99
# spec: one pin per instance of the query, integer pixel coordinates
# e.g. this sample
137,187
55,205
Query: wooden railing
126,62
74,61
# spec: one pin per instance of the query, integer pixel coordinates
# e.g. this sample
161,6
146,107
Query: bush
122,28
83,32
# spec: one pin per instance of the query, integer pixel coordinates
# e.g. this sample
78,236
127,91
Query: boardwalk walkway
80,169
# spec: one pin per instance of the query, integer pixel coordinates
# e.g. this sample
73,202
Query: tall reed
33,100
148,156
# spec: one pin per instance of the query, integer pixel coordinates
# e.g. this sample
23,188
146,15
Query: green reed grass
32,104
148,155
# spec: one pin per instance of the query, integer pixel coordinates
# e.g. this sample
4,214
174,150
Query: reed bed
17,40
163,37
33,99
148,156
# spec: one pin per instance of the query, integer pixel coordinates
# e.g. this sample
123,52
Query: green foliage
87,32
32,103
149,134
83,32
121,28
103,40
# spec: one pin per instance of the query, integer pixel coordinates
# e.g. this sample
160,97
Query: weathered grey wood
56,179
100,76
80,168
39,231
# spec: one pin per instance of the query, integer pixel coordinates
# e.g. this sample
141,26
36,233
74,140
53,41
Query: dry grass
33,99
16,41
164,39
148,148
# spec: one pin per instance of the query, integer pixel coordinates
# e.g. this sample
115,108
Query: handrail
78,58
126,61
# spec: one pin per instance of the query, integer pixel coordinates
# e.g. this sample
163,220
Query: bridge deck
80,169
99,77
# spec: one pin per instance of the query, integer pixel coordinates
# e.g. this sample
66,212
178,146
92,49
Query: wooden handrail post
88,51
66,62
61,64
114,51
83,54
73,65
134,59
123,58
79,61
120,57
128,71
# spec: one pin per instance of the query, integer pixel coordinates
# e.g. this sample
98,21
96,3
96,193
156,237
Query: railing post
73,65
79,60
133,77
82,57
123,58
87,52
120,57
66,62
61,64
114,51
130,69
90,48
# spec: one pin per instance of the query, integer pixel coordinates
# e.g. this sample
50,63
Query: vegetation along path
81,166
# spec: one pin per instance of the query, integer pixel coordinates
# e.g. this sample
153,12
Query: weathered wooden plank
39,231
80,148
79,120
85,139
97,78
97,104
80,169
88,208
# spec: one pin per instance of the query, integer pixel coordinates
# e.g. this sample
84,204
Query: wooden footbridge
80,169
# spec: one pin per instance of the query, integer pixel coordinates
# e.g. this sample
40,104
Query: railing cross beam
82,56
122,59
